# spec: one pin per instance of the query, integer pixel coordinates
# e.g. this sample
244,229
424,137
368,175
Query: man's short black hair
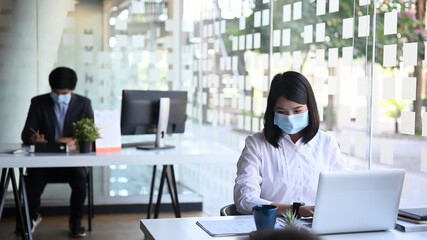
63,78
294,87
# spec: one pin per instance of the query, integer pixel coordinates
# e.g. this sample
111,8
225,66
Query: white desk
185,152
186,229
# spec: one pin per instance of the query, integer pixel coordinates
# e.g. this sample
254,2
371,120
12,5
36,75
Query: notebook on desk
357,201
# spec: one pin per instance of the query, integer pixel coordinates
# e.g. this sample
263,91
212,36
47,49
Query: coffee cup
265,217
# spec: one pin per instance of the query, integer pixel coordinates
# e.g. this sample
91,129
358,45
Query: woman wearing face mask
281,164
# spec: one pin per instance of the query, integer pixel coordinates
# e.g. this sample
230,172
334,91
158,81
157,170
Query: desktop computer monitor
153,112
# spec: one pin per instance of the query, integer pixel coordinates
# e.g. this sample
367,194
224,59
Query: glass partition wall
365,60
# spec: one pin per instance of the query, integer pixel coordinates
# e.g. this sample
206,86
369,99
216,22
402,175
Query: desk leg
19,207
150,201
159,196
170,177
24,196
4,186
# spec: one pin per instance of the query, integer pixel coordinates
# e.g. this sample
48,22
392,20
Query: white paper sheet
333,57
387,152
104,57
424,126
121,25
235,63
257,19
364,2
409,86
242,23
242,42
297,10
265,17
68,39
364,23
410,51
86,40
257,40
137,7
249,41
332,85
390,23
287,12
122,40
347,26
320,57
334,6
286,38
69,22
169,25
276,38
296,55
320,32
347,55
255,124
286,56
86,57
234,43
360,146
308,34
320,7
362,86
407,123
138,41
344,142
223,26
408,186
361,116
248,123
108,123
389,88
389,56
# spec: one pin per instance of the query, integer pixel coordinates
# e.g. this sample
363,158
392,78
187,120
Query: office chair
229,210
89,186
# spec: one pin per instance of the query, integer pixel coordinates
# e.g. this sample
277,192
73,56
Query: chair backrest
229,210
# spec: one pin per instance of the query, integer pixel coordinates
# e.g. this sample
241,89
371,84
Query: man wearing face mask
280,165
50,119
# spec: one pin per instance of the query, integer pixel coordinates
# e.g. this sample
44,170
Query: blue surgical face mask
291,124
64,98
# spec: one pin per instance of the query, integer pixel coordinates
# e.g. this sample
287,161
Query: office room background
365,59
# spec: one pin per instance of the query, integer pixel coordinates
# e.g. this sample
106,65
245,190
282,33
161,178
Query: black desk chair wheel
89,186
229,210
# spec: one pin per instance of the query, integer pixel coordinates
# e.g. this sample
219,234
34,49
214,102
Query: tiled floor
105,227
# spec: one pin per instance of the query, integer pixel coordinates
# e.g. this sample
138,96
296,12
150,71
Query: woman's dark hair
63,78
294,87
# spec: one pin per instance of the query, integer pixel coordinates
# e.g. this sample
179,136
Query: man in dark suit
50,119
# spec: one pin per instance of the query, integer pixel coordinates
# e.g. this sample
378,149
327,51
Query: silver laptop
357,201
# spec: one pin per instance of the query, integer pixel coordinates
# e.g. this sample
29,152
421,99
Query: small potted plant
290,219
86,133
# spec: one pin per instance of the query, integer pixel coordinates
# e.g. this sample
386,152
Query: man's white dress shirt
286,174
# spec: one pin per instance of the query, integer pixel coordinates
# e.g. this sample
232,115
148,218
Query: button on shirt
60,110
286,174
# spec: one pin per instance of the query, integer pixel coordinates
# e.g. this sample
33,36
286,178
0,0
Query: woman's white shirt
286,174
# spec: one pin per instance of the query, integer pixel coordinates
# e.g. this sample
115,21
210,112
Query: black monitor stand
162,126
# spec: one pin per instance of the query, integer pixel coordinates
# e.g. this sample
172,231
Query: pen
34,131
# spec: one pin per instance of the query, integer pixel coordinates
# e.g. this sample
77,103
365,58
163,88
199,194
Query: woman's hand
306,211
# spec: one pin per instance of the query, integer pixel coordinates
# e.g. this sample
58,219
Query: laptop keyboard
309,225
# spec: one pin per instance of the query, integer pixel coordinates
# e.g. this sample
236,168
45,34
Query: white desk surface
185,151
186,229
